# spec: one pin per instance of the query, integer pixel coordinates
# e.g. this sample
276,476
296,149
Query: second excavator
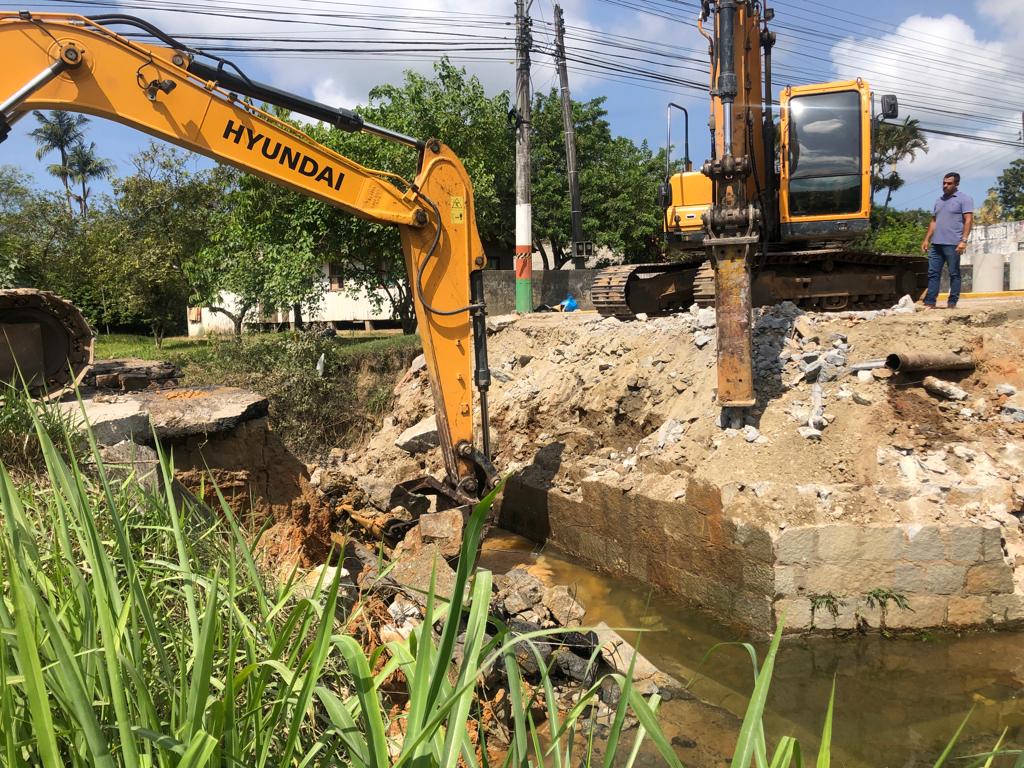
774,214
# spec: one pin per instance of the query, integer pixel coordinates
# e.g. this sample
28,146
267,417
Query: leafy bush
897,231
311,412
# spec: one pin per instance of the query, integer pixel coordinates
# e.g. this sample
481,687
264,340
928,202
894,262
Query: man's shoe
929,306
951,306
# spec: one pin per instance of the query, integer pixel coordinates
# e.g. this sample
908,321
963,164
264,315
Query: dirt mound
577,396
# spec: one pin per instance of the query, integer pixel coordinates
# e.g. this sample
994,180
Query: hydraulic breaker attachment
732,314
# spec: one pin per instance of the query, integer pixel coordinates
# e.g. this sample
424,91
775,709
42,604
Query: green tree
991,210
166,214
1010,189
59,131
84,165
897,231
262,250
15,197
894,143
618,184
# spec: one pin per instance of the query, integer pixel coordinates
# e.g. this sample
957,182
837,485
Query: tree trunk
539,246
297,317
64,178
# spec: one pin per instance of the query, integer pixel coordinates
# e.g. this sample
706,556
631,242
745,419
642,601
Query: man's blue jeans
937,256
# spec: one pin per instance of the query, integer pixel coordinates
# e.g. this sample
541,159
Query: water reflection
897,701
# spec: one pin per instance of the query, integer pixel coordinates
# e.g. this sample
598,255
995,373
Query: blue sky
956,66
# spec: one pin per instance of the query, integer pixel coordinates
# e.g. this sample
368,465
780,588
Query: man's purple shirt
949,213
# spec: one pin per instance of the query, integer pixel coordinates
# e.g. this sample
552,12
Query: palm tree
83,166
895,142
59,131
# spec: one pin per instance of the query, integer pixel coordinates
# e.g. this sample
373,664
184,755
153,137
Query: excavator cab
684,196
825,162
688,198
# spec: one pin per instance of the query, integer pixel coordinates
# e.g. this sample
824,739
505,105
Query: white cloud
346,81
942,64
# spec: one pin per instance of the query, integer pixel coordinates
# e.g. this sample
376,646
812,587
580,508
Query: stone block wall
750,577
949,576
684,547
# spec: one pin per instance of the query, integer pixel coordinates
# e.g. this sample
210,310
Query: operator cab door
825,185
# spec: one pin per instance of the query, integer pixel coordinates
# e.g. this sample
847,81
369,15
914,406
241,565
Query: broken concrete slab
185,412
563,605
519,590
130,373
440,529
112,419
420,437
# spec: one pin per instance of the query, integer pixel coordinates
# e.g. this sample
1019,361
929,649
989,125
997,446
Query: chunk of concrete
420,437
185,412
943,389
706,317
416,570
500,322
443,529
127,457
564,607
619,654
112,421
520,590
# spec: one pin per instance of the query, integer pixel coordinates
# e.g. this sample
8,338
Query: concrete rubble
619,456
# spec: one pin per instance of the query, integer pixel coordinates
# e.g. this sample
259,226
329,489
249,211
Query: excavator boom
70,62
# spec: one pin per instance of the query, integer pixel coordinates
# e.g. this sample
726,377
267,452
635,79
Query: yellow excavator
179,94
772,214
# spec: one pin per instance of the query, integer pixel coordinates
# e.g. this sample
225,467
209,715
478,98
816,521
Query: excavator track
45,342
624,291
825,280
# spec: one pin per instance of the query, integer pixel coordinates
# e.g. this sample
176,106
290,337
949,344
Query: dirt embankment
578,397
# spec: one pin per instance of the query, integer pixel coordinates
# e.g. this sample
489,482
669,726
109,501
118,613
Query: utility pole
579,248
524,212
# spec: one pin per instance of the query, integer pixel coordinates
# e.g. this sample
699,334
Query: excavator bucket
45,342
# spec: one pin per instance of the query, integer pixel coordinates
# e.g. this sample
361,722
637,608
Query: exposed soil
633,404
261,480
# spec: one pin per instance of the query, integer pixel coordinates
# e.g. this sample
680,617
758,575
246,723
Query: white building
339,305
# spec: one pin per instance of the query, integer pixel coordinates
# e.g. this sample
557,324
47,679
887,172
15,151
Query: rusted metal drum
44,341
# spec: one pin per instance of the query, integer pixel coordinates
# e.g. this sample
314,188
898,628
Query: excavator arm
70,62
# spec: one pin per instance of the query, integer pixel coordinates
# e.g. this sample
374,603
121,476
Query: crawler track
819,280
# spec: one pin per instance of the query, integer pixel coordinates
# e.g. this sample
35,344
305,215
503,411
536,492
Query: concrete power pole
579,248
524,212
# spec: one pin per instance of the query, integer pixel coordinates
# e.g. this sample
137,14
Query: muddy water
898,701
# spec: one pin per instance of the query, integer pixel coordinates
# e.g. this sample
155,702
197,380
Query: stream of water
898,701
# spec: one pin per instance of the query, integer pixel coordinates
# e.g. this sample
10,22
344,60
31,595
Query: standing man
950,226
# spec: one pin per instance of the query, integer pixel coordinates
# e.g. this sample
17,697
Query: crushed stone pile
577,396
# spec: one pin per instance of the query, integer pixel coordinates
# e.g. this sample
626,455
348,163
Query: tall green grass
138,631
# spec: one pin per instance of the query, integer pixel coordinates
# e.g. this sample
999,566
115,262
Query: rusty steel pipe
916,362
